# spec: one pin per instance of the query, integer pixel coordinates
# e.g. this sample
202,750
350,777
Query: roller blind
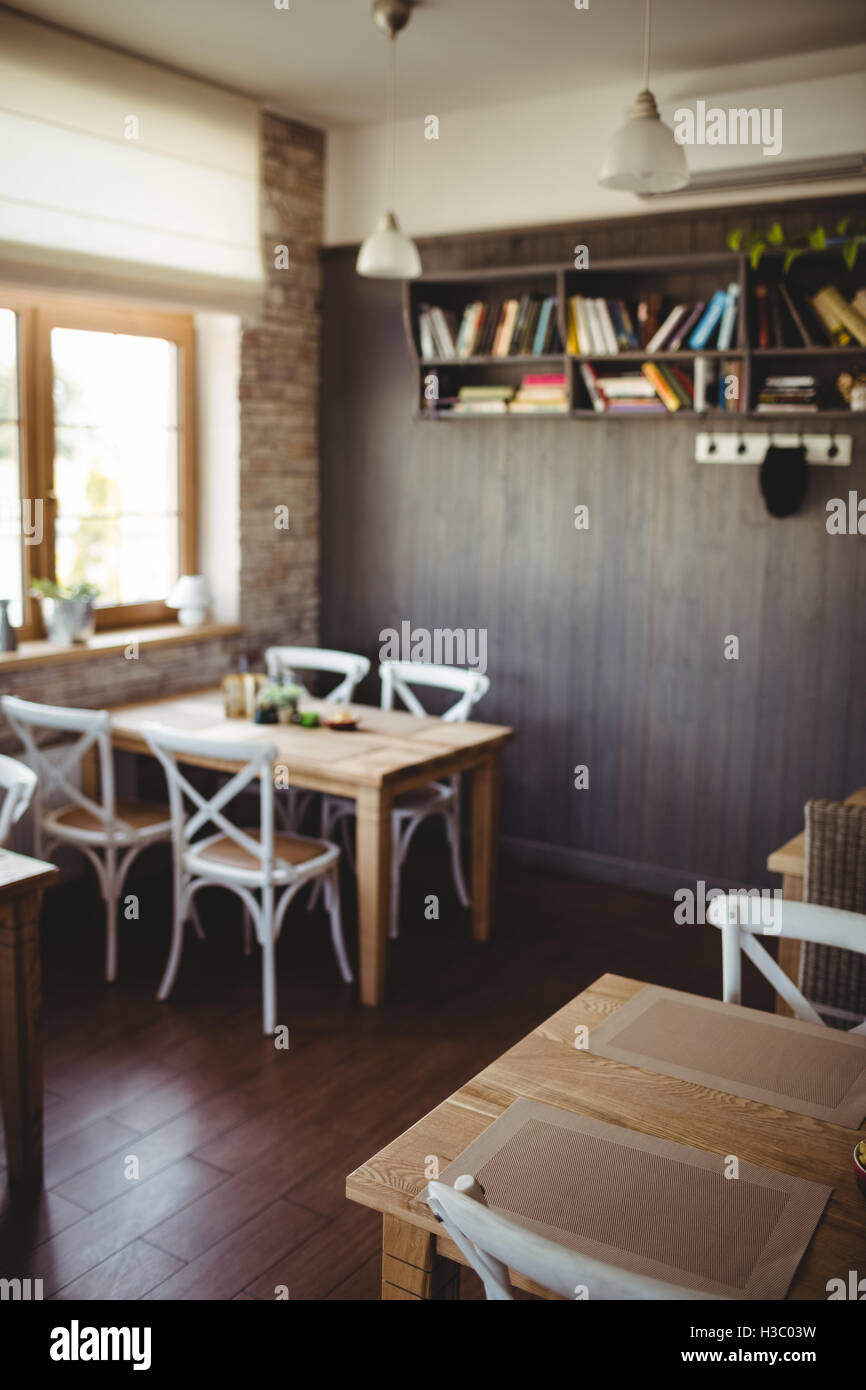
124,176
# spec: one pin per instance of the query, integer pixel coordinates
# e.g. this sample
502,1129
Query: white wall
218,370
534,162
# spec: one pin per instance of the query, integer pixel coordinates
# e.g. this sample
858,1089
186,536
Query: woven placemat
644,1204
798,1066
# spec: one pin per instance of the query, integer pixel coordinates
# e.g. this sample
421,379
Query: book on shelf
707,324
787,316
648,313
683,330
788,395
701,382
842,320
544,393
796,318
728,319
668,328
665,390
500,327
593,389
731,396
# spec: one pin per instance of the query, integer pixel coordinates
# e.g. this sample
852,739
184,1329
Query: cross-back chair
493,1244
400,680
735,913
109,832
263,867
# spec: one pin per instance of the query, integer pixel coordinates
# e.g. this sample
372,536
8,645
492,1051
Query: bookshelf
673,280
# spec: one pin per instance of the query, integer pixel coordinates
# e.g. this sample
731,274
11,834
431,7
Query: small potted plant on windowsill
67,610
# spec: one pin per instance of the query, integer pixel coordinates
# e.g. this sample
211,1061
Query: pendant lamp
388,254
643,156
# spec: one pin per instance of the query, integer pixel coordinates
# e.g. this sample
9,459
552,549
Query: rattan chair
834,981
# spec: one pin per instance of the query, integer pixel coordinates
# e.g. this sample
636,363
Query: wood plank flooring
188,1158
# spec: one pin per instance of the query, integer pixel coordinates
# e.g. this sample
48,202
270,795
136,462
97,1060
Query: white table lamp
192,597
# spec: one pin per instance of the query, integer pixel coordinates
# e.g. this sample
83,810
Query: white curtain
122,176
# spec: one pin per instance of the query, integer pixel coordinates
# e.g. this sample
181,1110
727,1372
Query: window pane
11,514
116,463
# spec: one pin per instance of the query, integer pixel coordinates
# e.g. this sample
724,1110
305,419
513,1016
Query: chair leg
248,932
332,898
452,830
166,984
269,980
111,895
196,920
397,851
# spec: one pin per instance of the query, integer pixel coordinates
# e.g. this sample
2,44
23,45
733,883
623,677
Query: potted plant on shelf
67,610
277,703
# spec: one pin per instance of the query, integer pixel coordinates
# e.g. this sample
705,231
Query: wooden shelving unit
685,279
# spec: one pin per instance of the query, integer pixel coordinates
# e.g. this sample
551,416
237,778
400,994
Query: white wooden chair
437,798
493,1244
734,915
110,832
248,862
288,664
18,782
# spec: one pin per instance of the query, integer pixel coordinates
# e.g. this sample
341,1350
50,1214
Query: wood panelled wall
605,647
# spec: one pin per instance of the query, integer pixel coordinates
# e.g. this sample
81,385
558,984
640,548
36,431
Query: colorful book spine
712,314
729,317
594,391
664,390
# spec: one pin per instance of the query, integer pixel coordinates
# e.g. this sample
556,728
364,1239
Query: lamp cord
392,116
646,45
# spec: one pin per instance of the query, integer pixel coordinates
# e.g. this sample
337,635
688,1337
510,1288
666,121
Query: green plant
848,236
47,588
278,695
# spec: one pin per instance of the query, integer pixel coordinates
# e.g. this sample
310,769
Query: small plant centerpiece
67,610
277,703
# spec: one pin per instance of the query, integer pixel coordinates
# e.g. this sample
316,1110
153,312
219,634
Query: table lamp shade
191,596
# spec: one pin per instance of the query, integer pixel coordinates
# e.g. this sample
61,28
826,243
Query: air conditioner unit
768,173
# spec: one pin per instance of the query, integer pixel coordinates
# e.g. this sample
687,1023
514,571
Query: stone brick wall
280,373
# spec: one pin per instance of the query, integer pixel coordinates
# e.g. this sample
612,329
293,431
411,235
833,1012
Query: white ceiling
324,61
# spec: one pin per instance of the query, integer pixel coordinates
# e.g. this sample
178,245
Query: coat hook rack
737,446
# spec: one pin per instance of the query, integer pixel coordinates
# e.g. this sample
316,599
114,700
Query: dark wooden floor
241,1150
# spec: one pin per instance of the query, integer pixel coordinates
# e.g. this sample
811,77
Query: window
97,456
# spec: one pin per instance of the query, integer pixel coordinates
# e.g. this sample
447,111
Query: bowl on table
860,1165
341,720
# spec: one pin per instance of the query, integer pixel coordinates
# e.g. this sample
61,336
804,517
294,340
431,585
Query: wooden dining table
390,753
420,1262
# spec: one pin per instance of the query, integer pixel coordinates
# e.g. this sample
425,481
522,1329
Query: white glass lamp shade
191,596
643,156
388,254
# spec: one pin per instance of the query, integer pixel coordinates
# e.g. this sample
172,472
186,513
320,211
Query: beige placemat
798,1066
645,1204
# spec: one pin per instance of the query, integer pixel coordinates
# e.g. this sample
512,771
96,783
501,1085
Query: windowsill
44,653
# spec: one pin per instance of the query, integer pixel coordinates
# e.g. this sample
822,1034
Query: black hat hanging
784,479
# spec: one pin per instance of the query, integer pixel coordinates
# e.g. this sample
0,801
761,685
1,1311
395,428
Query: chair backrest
835,876
18,782
398,677
284,663
173,748
493,1244
54,770
733,914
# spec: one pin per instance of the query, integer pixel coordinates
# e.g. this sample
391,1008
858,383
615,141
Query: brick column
280,365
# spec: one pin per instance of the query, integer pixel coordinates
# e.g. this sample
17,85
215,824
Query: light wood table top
391,752
545,1066
390,748
790,858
